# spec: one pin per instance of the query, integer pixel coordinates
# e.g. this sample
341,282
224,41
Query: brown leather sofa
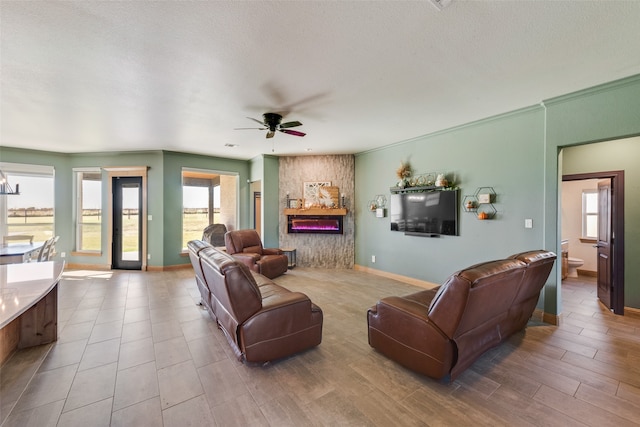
246,246
261,320
442,331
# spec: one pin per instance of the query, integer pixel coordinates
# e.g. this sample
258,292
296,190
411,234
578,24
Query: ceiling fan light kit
272,122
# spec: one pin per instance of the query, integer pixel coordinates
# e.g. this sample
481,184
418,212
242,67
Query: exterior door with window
127,223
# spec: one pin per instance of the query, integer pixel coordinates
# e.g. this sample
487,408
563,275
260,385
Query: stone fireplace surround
313,249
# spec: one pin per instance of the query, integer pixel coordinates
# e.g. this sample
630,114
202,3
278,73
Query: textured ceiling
102,76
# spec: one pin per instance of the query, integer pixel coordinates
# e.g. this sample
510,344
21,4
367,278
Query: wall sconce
5,188
377,205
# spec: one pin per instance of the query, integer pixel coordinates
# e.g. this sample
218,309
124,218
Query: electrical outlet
63,254
148,256
528,223
373,259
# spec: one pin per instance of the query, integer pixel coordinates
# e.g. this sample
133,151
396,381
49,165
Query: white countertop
22,285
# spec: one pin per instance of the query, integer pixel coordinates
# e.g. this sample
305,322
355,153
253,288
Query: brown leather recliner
246,246
442,331
261,320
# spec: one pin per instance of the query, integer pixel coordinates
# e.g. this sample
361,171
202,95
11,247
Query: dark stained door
611,222
605,243
127,223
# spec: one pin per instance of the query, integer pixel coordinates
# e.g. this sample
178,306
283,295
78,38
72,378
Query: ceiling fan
272,123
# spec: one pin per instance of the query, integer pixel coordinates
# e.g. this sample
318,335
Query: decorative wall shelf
470,203
422,189
481,203
316,211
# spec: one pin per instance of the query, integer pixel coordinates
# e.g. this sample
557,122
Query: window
88,210
32,211
589,214
208,197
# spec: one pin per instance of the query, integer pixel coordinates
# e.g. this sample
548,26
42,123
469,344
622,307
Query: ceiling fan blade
290,124
293,132
250,128
256,120
270,134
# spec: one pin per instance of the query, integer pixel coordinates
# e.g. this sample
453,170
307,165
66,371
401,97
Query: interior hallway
135,349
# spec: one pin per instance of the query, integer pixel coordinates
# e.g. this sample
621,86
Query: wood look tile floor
134,349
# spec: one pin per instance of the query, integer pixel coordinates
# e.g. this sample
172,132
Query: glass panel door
127,223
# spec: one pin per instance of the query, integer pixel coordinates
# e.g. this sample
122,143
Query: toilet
574,263
570,265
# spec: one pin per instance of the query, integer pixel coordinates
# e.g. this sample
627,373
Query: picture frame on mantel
310,191
294,203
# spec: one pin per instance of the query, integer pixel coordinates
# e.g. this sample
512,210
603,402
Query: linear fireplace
318,224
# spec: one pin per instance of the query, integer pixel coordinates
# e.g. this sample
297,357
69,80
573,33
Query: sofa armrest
247,258
281,314
272,251
410,315
401,329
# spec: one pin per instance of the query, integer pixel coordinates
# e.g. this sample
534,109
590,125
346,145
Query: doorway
609,242
257,212
127,223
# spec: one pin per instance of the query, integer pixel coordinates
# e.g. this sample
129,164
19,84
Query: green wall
63,197
518,155
265,170
270,202
172,190
153,161
504,152
606,112
164,191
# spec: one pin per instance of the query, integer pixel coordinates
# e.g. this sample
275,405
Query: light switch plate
528,223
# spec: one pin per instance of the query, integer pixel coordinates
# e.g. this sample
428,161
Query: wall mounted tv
429,213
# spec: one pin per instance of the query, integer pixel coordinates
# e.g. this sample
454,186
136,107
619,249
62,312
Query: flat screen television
430,213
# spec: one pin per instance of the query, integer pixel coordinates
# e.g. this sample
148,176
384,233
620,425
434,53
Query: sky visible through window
35,192
198,197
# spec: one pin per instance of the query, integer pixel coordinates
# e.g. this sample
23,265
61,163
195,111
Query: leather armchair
246,247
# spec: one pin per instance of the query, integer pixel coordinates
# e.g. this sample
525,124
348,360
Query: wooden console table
28,305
